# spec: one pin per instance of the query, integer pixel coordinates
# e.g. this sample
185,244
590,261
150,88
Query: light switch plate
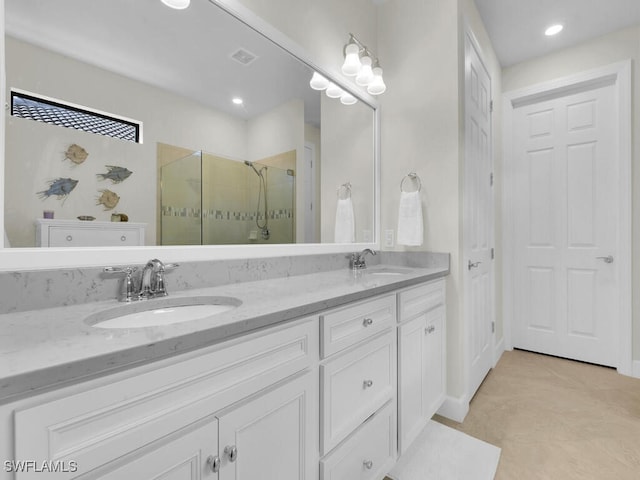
388,238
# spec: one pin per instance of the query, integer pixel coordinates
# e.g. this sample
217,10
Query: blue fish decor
60,187
115,174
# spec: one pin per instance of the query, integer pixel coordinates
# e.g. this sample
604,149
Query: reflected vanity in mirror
233,145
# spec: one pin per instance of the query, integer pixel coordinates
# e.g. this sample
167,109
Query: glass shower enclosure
211,200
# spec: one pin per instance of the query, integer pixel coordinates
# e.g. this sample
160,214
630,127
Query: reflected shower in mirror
209,200
208,93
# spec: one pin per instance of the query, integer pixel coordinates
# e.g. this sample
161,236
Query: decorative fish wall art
60,187
115,174
108,198
76,154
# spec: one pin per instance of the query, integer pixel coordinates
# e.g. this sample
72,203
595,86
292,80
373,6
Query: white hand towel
410,228
345,222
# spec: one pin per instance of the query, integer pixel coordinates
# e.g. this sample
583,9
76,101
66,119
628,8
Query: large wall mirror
224,141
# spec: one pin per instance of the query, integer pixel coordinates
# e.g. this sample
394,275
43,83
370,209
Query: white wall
608,49
420,132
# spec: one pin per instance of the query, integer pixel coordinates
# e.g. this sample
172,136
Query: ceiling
516,27
184,51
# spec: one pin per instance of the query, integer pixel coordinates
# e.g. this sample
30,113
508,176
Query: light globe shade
365,76
377,86
351,65
177,4
318,82
347,99
334,91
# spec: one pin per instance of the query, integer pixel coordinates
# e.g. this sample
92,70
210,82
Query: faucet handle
160,288
128,287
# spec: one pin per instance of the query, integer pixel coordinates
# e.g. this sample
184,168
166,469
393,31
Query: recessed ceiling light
553,30
237,101
177,4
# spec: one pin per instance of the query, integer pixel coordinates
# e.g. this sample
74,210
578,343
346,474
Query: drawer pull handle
231,452
367,384
123,238
429,329
368,464
214,463
69,238
367,322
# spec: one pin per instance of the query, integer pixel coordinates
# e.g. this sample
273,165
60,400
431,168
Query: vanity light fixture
359,62
553,29
377,85
318,82
177,4
334,91
347,99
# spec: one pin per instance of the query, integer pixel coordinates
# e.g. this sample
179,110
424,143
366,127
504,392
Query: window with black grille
58,112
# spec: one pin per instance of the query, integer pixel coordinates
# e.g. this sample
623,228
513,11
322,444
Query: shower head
250,164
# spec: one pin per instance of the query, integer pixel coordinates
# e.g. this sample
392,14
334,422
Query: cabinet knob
214,463
429,329
367,384
123,238
69,238
231,451
368,464
367,322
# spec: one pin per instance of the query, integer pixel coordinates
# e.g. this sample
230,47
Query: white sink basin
384,270
163,311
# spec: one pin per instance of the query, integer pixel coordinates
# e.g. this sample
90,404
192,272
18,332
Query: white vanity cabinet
255,396
358,390
421,358
77,233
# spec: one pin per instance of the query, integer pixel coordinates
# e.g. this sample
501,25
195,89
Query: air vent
243,56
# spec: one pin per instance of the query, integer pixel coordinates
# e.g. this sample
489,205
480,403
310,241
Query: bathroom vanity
307,378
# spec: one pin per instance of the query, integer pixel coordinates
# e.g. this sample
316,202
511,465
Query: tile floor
557,419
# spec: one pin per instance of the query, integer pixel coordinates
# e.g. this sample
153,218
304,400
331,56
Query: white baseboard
498,350
454,408
636,369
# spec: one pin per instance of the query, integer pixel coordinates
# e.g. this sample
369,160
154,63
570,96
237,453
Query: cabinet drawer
90,237
347,326
97,426
368,454
420,299
354,385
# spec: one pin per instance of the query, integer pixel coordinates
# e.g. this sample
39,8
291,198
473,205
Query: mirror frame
15,259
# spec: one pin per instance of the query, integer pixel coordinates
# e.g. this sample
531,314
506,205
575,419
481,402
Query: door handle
607,259
473,265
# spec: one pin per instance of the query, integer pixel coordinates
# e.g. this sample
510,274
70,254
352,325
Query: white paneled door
478,218
566,223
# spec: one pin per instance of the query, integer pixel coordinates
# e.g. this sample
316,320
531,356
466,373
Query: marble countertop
41,349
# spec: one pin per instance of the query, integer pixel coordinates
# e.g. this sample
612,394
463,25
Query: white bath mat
442,453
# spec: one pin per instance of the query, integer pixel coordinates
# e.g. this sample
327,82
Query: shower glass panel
181,201
230,207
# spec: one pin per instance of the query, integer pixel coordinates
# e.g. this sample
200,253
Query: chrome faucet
357,262
152,282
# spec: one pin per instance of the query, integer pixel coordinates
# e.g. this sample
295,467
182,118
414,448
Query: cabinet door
434,381
421,373
411,375
186,457
273,436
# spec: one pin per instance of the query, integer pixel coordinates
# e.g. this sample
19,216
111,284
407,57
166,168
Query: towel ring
344,191
413,176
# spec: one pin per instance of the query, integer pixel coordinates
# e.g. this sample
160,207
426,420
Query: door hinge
493,327
491,106
493,253
491,179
